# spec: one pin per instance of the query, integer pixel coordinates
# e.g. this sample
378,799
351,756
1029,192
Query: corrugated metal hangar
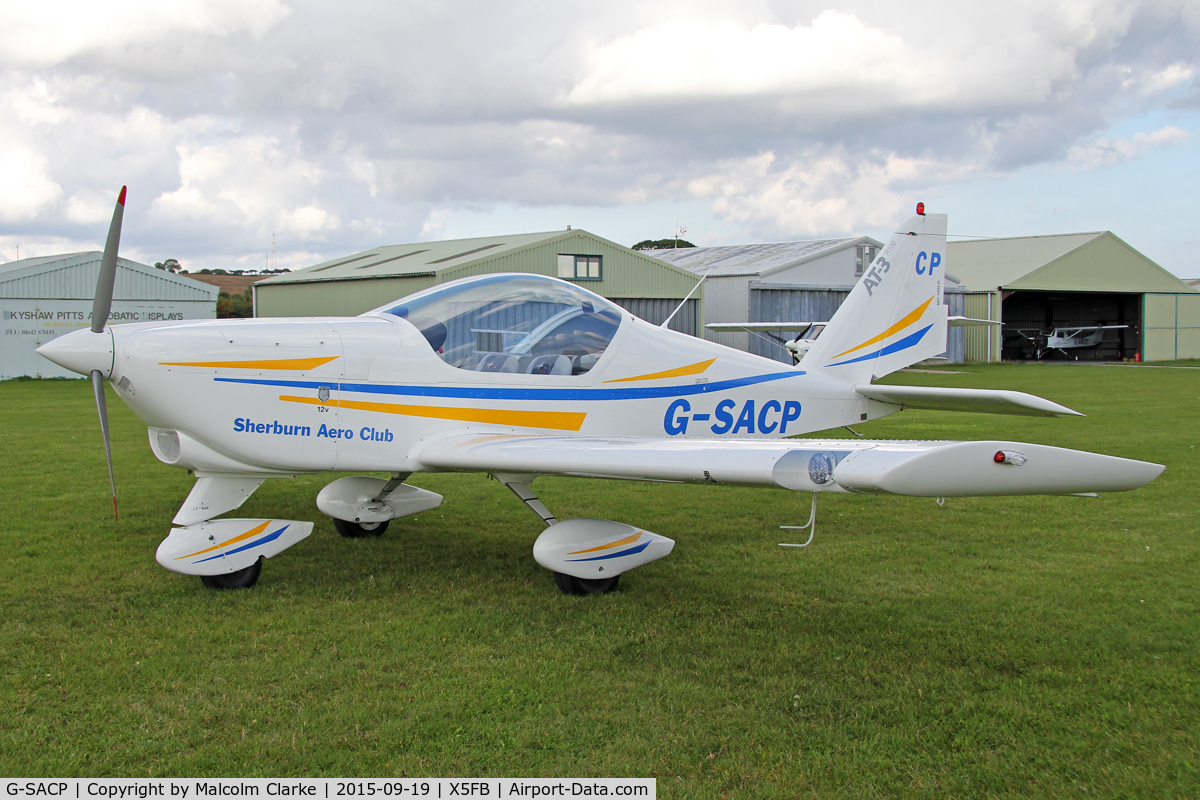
44,297
801,281
1077,296
1047,290
351,285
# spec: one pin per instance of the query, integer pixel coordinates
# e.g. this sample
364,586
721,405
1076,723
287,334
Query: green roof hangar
347,286
1047,290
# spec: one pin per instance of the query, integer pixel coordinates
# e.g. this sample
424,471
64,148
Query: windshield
512,323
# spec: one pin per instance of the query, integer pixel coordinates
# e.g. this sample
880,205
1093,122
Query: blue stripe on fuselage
509,393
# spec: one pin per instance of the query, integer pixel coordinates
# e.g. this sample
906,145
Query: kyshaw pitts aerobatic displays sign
28,324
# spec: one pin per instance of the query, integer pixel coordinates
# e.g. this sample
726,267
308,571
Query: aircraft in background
521,376
797,346
1063,338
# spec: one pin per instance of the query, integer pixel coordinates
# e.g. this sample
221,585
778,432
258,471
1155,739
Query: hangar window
510,323
863,256
579,268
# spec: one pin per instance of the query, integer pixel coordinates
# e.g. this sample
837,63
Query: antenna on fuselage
684,300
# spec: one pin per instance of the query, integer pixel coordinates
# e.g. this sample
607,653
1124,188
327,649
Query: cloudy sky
329,128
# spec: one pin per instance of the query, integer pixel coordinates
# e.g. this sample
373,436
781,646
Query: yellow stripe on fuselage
257,529
691,369
610,545
912,317
275,363
554,420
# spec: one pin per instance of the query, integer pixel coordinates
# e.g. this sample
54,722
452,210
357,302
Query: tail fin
895,315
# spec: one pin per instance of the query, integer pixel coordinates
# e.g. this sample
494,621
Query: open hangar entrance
1072,296
1032,317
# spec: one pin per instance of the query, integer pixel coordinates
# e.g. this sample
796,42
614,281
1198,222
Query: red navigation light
999,458
921,209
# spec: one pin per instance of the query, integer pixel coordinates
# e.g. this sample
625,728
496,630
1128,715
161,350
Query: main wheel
242,579
569,584
359,530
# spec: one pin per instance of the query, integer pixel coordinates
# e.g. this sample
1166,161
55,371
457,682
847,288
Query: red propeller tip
121,198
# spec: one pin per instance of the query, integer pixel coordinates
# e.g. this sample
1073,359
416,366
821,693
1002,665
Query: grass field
1042,647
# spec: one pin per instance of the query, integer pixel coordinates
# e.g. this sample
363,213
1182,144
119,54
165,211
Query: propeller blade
102,407
108,272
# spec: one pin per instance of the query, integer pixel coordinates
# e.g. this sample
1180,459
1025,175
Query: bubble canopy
512,323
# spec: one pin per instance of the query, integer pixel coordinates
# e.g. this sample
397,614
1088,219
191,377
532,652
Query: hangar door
655,310
1036,321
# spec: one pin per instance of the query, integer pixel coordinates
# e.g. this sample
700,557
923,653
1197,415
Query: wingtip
121,197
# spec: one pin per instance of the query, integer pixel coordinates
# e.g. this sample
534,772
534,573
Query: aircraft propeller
101,306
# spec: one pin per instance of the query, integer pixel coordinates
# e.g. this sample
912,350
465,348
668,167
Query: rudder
895,315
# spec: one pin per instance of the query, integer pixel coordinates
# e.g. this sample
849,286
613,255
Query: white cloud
53,31
842,64
1109,152
816,192
88,206
434,227
1151,81
722,58
338,126
35,104
308,221
252,181
26,189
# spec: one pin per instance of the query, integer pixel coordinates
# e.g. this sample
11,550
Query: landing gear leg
567,584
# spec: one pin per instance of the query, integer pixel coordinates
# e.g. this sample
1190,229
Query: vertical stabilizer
895,315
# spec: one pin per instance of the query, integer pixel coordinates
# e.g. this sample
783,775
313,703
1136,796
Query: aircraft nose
82,351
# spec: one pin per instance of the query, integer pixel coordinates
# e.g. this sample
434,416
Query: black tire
569,584
358,530
242,579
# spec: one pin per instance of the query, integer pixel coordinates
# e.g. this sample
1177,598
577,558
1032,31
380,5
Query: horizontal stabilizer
968,322
984,401
733,327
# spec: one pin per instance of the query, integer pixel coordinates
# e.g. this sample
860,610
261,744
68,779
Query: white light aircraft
1065,339
797,346
525,375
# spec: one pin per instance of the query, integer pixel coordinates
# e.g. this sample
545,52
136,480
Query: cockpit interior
512,323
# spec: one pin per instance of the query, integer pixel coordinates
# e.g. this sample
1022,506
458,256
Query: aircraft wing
986,401
920,469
